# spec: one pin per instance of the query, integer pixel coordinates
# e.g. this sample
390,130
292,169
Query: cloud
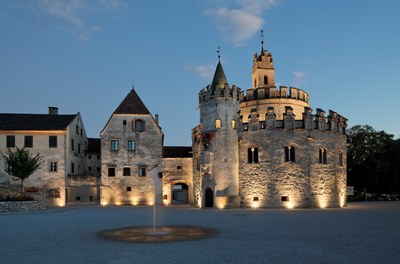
205,72
73,13
300,77
299,74
242,22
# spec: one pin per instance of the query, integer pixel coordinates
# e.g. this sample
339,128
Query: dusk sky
84,56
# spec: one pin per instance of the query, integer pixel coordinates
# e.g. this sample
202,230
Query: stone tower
263,74
218,143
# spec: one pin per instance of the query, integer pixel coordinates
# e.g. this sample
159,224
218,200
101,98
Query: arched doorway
209,197
180,193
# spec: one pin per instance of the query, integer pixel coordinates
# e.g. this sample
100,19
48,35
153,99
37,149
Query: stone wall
22,206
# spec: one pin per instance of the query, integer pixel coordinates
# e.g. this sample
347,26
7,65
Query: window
252,155
129,188
179,167
124,122
139,125
98,169
217,123
323,156
131,145
72,167
98,157
90,169
10,141
233,124
111,172
265,79
290,154
114,144
142,171
78,198
53,193
79,148
72,144
53,166
77,129
127,171
284,198
340,158
28,142
81,132
90,157
52,141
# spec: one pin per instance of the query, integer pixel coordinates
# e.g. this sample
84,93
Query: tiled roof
177,152
35,121
132,104
94,145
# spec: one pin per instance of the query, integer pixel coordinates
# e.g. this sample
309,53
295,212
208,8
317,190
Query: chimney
156,118
53,110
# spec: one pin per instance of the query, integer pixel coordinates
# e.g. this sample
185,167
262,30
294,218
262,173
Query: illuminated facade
264,147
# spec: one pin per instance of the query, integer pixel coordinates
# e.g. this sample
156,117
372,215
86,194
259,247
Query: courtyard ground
361,233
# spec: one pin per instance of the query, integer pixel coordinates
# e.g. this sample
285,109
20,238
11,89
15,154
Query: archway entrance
180,193
209,198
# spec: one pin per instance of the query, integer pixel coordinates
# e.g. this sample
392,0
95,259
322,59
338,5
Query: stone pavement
361,233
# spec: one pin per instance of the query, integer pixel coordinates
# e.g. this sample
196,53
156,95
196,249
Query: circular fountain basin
146,234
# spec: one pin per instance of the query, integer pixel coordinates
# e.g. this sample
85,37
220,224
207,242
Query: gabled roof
35,121
132,104
177,152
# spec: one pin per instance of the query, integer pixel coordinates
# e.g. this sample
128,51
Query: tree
21,163
373,160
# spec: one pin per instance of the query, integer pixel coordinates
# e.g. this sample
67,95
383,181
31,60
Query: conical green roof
219,79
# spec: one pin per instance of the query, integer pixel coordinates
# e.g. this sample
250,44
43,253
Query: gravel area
361,233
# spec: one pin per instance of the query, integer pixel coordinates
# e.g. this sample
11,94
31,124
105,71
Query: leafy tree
373,160
21,163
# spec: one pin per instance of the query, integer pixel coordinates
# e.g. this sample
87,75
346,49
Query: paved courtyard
361,233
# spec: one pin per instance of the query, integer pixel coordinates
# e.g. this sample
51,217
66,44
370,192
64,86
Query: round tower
219,105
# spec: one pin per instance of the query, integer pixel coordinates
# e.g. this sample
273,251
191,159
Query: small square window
10,142
255,199
178,167
127,171
284,198
91,198
28,141
129,188
52,141
90,157
111,172
90,169
78,198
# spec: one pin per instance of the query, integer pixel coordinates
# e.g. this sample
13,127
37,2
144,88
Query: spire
219,77
132,104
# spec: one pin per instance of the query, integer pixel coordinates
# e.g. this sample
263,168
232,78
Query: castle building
60,139
261,147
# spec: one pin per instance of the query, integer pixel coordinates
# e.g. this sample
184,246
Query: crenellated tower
218,143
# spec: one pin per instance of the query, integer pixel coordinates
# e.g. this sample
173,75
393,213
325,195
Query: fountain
157,234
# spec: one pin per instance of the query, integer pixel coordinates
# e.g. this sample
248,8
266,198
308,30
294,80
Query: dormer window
138,125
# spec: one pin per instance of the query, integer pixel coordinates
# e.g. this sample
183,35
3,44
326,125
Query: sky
86,55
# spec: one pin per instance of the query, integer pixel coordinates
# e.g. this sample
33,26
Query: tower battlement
318,121
211,93
271,92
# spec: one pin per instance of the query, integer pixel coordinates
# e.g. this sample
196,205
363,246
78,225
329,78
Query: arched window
252,155
265,80
290,154
340,158
323,156
139,125
218,123
255,83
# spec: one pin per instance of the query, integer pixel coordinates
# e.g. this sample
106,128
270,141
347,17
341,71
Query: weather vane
219,53
262,39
